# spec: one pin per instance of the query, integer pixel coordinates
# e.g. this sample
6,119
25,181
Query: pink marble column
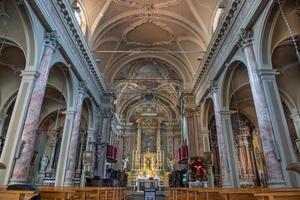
74,138
275,176
23,161
226,180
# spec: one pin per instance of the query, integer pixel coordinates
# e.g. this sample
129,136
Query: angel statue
125,162
171,164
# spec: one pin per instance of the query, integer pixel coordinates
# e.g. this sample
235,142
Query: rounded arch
168,16
272,20
87,112
288,101
9,101
206,108
171,61
62,79
20,26
228,77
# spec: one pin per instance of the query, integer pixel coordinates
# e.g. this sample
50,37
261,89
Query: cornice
79,39
228,19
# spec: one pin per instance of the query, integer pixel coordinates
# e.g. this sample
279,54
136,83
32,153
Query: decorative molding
150,20
148,6
79,39
246,38
52,40
82,87
213,87
220,35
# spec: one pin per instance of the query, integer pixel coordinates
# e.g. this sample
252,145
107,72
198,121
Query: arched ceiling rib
140,34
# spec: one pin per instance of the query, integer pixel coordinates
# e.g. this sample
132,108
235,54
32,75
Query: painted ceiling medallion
148,4
138,33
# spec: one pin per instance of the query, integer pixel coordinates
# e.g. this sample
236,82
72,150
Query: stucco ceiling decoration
161,33
148,4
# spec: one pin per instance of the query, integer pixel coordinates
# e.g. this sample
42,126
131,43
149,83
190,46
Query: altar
145,182
147,162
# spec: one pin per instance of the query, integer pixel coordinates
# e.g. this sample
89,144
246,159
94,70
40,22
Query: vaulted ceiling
170,35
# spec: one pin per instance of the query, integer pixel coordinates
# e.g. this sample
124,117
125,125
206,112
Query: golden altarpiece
148,157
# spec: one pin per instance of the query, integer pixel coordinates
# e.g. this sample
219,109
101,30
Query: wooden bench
16,194
82,193
233,194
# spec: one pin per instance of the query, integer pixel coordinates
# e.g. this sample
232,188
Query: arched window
79,15
218,15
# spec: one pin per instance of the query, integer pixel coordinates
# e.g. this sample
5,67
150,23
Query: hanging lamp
289,29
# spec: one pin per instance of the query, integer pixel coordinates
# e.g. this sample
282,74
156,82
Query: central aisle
140,196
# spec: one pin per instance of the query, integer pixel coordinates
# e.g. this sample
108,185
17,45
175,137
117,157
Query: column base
17,181
68,183
277,184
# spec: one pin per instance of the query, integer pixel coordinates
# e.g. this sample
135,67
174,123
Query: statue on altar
148,164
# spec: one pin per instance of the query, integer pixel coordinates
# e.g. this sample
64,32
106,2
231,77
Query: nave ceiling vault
159,42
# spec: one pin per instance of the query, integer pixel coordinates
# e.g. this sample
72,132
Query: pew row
82,193
233,194
17,194
66,193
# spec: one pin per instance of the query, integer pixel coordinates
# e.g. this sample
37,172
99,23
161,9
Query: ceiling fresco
149,47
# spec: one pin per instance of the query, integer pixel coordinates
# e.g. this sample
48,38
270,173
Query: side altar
147,163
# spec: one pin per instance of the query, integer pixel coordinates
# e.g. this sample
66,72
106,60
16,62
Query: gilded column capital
246,38
52,40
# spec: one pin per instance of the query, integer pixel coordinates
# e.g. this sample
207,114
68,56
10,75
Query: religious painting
149,142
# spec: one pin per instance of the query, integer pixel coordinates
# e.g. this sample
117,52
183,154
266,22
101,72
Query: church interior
150,99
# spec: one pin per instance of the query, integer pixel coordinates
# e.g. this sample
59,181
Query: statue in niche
44,163
125,163
171,164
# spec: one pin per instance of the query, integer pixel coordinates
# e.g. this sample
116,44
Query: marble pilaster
191,132
16,124
53,142
103,137
275,176
64,147
296,120
22,165
3,116
71,163
279,123
226,173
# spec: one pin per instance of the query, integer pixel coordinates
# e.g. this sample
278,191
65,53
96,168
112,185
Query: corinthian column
74,138
275,176
22,165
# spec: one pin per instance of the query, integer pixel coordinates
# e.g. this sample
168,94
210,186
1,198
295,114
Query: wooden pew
233,194
82,193
16,194
288,195
56,193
